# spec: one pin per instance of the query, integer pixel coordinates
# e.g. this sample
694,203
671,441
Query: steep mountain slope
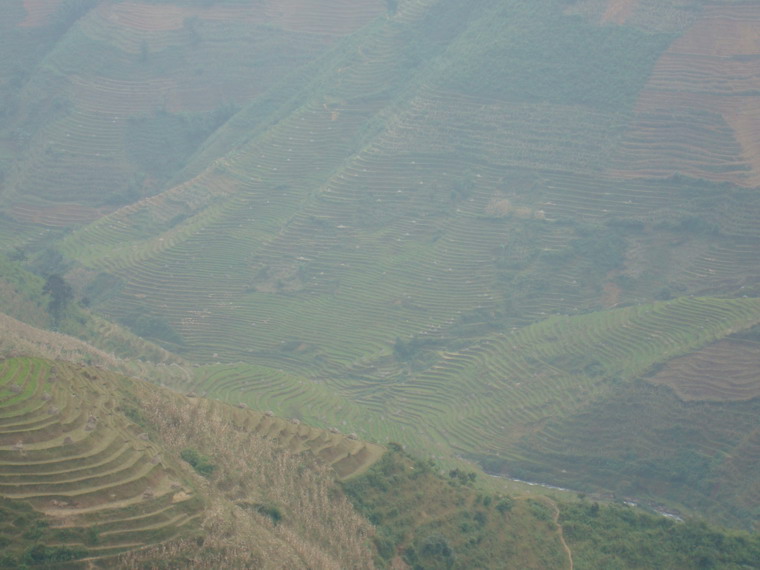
129,90
473,228
105,463
442,522
244,494
67,454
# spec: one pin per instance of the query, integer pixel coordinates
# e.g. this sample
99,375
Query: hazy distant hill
505,230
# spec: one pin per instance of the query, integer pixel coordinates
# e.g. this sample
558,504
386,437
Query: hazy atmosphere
402,284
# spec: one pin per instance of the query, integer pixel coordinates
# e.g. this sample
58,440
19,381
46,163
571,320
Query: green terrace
67,451
492,398
78,445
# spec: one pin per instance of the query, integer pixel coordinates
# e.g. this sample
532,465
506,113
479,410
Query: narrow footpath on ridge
555,518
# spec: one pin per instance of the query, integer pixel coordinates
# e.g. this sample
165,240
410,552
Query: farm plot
67,451
722,372
486,399
511,386
112,72
697,115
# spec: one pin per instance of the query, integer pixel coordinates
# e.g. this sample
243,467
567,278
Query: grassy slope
433,521
441,520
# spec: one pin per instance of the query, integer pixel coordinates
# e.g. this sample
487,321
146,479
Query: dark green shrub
385,547
505,505
270,511
200,463
41,554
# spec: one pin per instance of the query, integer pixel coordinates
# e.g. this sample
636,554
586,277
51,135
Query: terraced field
306,401
698,113
259,268
77,445
398,230
83,153
726,371
530,402
344,453
325,235
68,452
488,397
645,443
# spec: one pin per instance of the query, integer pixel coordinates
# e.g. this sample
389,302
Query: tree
60,295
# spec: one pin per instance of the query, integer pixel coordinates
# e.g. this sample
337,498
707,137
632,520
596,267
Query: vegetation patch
616,536
197,461
434,521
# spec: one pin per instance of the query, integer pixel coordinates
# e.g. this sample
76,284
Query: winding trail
555,518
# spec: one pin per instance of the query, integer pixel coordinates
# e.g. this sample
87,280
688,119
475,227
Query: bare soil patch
618,11
698,114
38,12
726,371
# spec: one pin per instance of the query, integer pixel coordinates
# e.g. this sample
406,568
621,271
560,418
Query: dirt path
555,517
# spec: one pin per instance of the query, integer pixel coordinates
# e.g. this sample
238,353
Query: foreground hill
443,522
500,230
93,465
101,471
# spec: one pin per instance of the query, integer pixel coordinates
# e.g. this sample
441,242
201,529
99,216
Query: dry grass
319,528
20,339
17,338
